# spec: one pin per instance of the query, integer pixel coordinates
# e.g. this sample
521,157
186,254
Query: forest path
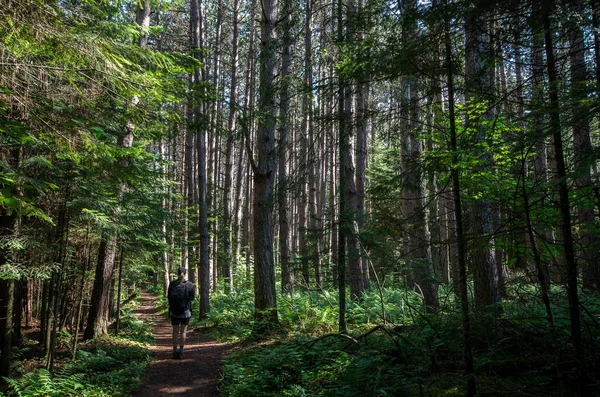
195,375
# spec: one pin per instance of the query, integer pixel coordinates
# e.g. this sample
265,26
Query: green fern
41,383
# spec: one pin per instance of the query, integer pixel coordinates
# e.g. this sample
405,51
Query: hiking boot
180,353
175,353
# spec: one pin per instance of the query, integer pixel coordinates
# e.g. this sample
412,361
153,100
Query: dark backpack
178,298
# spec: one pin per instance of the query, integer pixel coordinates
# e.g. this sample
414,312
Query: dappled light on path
195,375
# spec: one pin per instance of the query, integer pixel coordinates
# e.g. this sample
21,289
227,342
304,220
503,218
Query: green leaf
99,132
6,192
9,202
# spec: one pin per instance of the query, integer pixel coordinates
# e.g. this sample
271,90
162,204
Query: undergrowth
104,367
412,354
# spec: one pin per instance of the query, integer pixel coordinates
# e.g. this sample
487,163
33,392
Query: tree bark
231,127
416,230
163,230
344,143
97,323
200,125
355,274
265,302
287,275
190,232
582,152
479,86
563,191
540,161
6,319
7,288
362,124
460,243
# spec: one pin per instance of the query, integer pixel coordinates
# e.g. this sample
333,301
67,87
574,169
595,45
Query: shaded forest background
432,157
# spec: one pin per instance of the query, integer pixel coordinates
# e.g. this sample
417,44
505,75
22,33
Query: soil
194,375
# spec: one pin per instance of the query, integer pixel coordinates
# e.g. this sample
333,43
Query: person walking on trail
180,294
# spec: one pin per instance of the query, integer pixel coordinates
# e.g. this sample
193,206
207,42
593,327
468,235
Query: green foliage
231,315
415,354
328,367
157,291
67,129
133,329
41,383
116,366
108,366
400,307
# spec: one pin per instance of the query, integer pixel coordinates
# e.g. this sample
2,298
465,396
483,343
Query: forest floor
195,375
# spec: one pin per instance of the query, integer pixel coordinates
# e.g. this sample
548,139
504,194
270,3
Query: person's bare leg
182,336
175,336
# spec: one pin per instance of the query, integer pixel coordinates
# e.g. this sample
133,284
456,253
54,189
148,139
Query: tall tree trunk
438,218
7,288
6,319
596,29
247,132
582,151
265,302
362,123
231,127
119,285
311,164
461,245
190,232
416,230
248,232
214,116
479,86
344,149
240,186
212,202
246,127
163,230
200,124
540,161
45,295
97,323
62,238
287,275
333,220
28,302
87,253
563,191
521,234
302,198
357,284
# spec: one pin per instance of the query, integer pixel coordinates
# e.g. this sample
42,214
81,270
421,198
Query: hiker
180,294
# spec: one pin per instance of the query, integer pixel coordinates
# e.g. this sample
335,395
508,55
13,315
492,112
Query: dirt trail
195,375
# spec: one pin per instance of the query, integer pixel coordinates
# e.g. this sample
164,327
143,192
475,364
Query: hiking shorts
180,320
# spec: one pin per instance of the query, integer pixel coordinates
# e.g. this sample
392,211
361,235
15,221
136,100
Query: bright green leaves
21,204
72,77
7,199
487,150
98,132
